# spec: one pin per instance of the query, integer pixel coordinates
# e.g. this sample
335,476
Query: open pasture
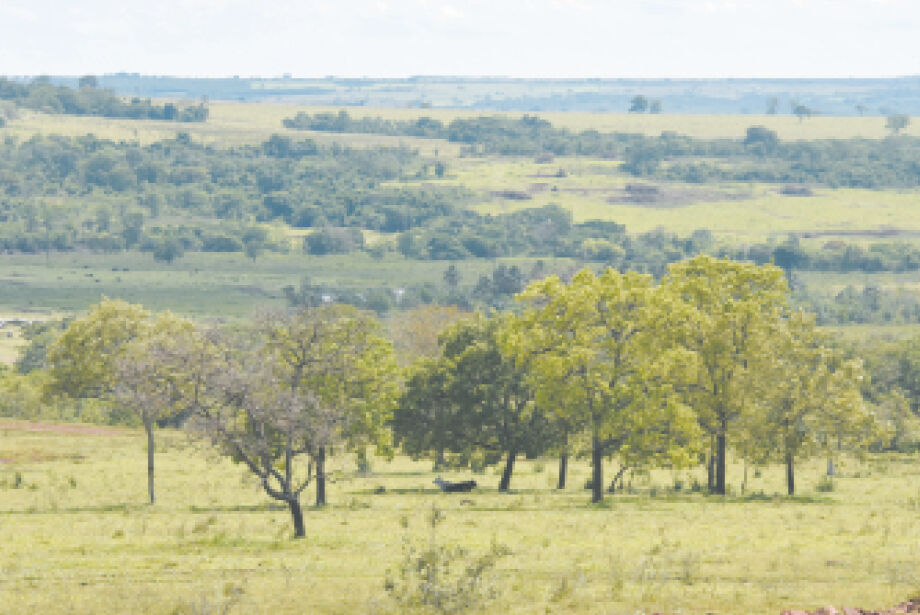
78,538
251,123
207,284
229,125
593,189
787,127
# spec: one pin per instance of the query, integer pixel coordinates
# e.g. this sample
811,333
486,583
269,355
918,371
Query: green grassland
205,284
592,189
78,538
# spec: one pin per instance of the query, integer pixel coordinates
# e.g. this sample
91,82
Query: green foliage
88,100
339,355
760,156
722,311
83,358
602,365
214,194
474,397
806,397
438,578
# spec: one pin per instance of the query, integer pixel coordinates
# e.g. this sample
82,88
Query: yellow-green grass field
592,189
78,538
235,123
230,124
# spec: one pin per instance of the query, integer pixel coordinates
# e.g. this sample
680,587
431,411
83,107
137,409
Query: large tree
338,355
807,398
149,378
723,311
247,408
119,354
474,398
598,361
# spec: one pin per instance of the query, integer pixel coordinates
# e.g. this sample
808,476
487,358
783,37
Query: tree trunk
790,474
297,516
148,426
744,482
439,461
720,461
506,475
710,467
618,478
321,476
563,468
597,473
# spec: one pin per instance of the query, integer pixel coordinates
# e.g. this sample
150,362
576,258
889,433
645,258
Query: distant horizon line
445,77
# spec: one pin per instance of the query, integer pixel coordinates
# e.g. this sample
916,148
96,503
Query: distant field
592,189
205,284
77,537
230,124
830,283
248,123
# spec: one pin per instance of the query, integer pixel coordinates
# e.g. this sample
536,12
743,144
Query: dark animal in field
459,487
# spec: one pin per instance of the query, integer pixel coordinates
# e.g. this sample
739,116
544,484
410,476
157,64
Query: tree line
674,373
758,157
40,94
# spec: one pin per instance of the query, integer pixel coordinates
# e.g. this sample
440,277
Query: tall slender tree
728,311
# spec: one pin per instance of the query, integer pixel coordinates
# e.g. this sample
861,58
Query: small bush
444,578
825,485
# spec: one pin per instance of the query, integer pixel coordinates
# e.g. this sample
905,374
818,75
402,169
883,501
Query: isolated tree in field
256,418
801,111
897,122
654,106
807,396
168,249
338,355
728,311
598,362
117,353
149,378
638,104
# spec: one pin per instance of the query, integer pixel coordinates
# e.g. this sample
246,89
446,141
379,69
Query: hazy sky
528,38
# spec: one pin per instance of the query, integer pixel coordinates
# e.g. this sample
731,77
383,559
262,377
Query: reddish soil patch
61,428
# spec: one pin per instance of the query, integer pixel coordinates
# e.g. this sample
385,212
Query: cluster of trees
614,365
276,395
641,104
88,99
547,231
760,157
836,255
867,305
45,183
